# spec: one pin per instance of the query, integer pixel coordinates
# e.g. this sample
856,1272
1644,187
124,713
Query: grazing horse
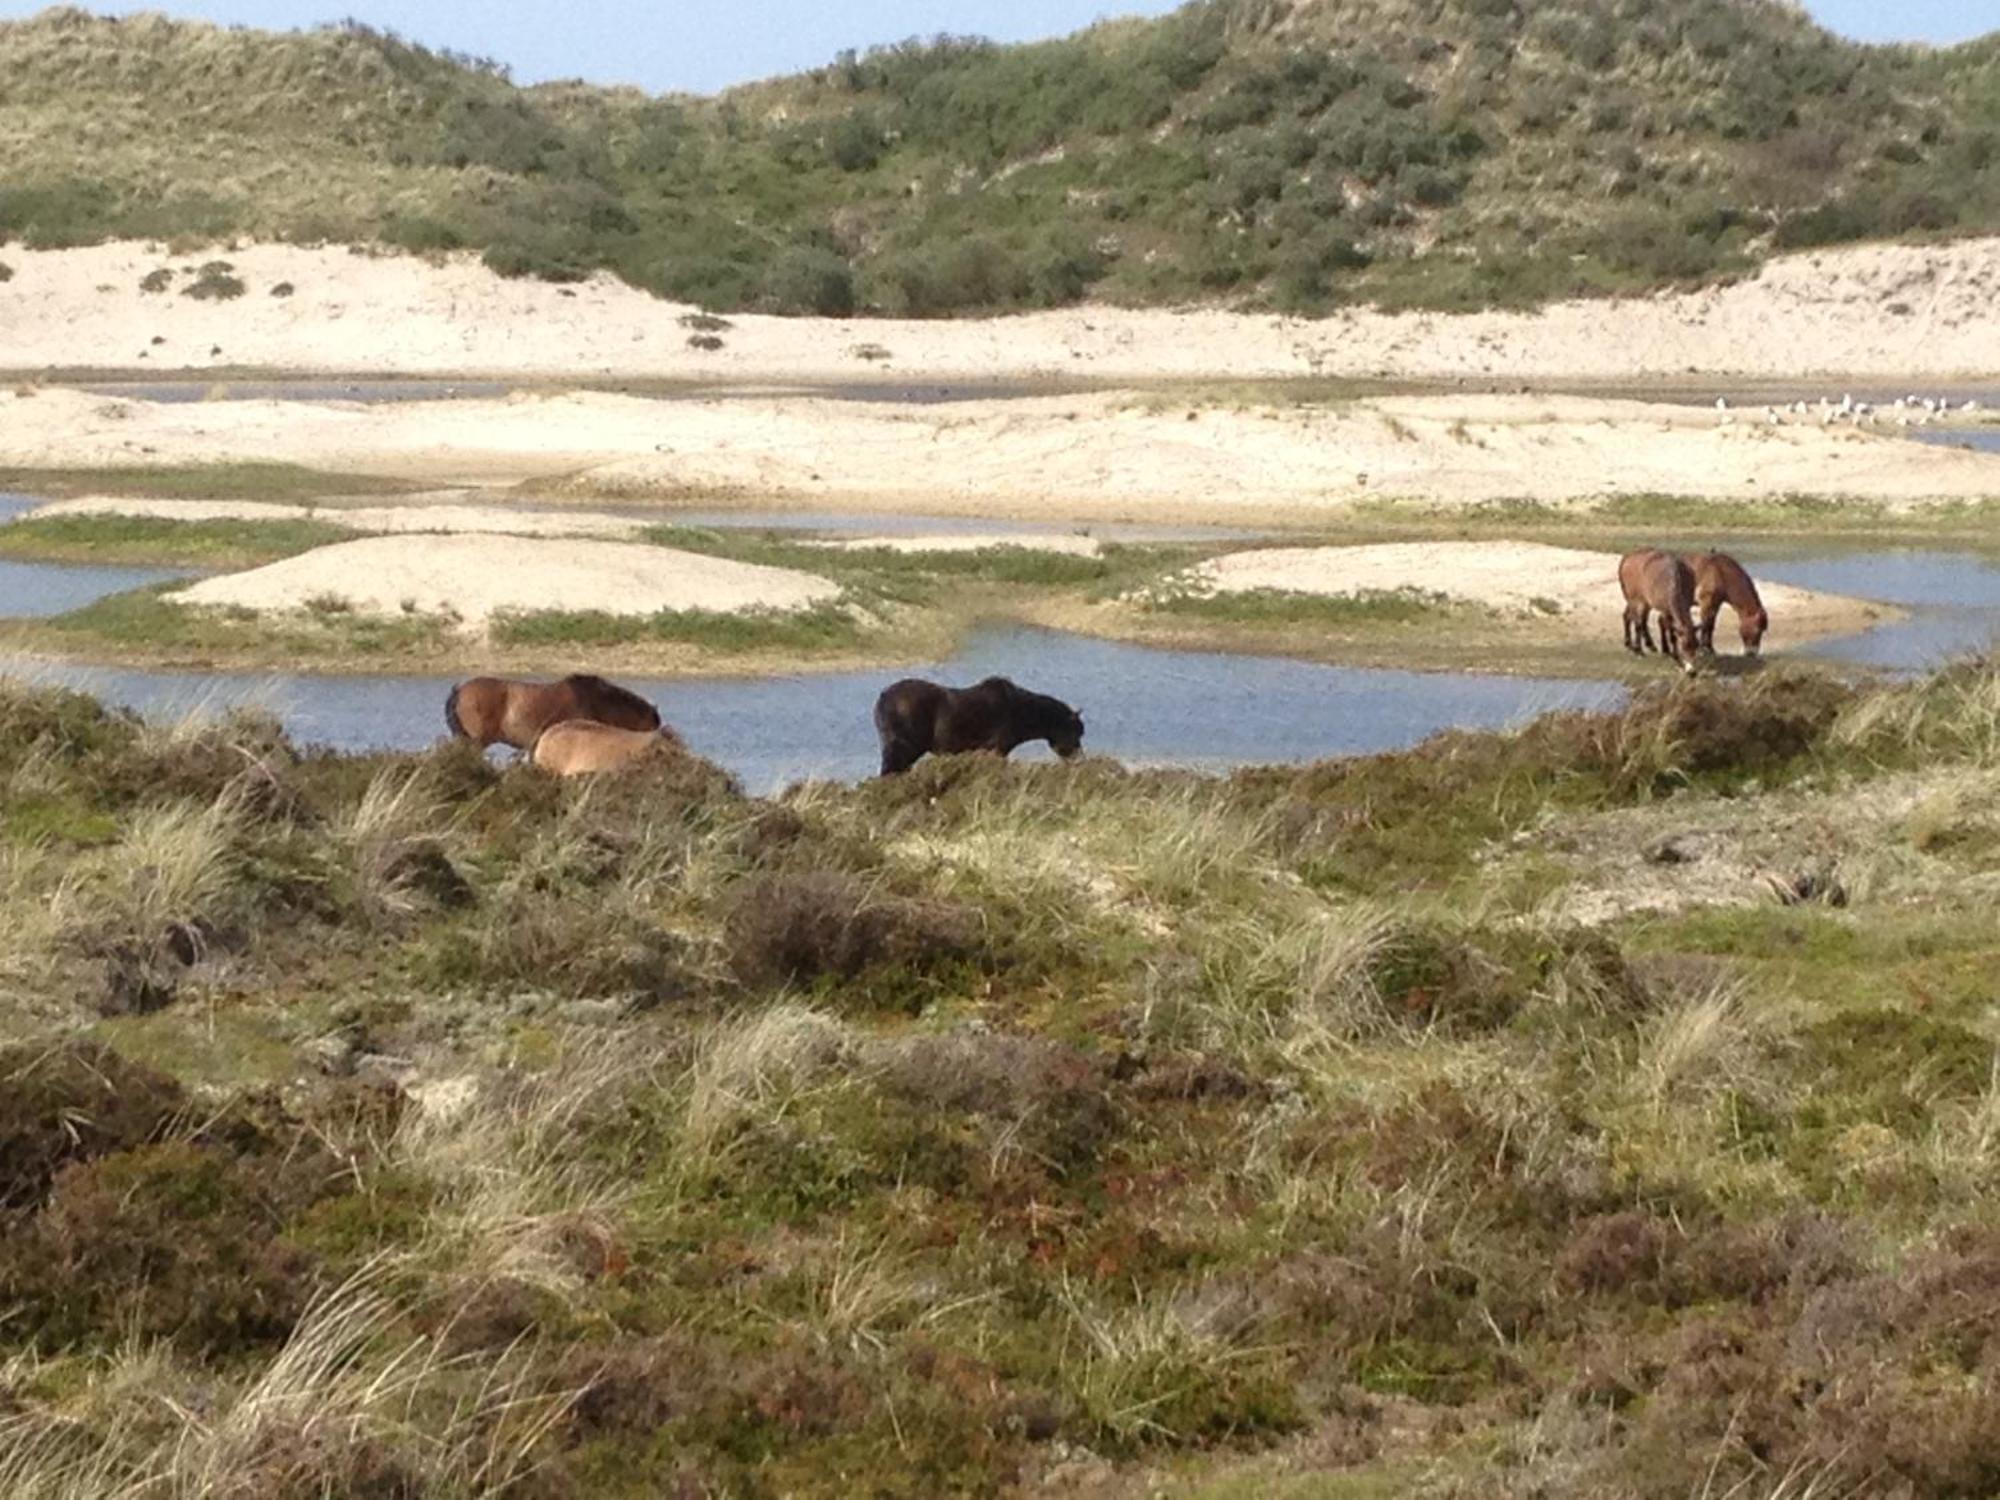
914,717
1656,580
577,747
501,711
1719,579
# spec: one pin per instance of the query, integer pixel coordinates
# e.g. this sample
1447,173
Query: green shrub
215,283
807,279
544,263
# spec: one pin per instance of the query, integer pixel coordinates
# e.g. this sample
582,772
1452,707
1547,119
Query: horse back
594,698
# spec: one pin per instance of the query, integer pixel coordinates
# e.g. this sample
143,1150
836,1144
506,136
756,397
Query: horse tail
451,719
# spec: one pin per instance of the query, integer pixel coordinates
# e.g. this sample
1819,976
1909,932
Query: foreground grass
397,1124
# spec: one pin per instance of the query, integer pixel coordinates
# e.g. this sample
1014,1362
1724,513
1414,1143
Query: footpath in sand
474,577
1903,312
1083,457
1575,590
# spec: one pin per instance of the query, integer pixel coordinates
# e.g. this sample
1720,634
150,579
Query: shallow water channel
1143,706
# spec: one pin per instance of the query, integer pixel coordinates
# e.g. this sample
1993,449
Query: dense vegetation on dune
1606,1108
1434,153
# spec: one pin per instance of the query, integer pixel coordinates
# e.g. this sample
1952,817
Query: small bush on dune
73,1102
6,272
821,925
169,1241
1047,1099
812,280
215,282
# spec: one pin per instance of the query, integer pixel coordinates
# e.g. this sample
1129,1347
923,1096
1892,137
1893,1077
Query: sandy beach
1887,311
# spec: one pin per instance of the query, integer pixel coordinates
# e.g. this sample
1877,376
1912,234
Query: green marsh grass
161,541
275,482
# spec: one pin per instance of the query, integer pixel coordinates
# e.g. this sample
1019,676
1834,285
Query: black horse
914,717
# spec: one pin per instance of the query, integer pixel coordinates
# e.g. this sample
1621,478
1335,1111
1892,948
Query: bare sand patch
1575,587
473,577
1100,456
412,516
1882,310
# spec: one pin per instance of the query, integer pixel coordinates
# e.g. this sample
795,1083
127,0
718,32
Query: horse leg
1705,627
1670,642
1646,629
1631,634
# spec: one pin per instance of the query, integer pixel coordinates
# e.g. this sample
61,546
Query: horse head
1751,626
1065,730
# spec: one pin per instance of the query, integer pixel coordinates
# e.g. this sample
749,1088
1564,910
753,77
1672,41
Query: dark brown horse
914,717
1719,579
1655,580
501,711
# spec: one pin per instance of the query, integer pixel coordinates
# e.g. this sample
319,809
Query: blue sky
705,46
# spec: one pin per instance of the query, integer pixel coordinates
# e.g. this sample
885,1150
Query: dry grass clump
158,902
349,1405
1035,1096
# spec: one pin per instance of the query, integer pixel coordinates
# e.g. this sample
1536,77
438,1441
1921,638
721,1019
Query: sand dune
1103,456
475,577
1884,310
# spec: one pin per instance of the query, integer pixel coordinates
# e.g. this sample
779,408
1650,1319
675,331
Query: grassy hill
1605,1109
1434,153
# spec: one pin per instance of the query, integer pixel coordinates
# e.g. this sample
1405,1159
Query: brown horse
577,747
501,711
914,717
1655,580
1719,579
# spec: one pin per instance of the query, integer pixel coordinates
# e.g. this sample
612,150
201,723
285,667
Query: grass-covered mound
403,1125
1436,153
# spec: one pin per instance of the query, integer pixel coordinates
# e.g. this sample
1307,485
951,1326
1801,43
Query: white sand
1576,586
1102,456
1905,311
410,516
478,576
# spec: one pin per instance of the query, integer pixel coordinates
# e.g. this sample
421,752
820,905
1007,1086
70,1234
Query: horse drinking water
914,718
502,711
1719,579
1655,580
